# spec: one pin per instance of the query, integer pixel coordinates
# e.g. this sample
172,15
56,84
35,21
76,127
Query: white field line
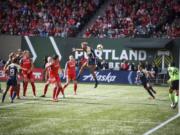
16,104
161,125
95,120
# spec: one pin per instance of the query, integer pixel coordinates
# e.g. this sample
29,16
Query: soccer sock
65,86
176,98
75,87
11,92
96,80
18,90
152,89
25,88
58,91
14,95
33,88
4,95
150,93
171,97
54,92
78,76
45,89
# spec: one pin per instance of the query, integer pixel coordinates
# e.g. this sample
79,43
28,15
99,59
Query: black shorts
145,84
91,61
175,85
12,82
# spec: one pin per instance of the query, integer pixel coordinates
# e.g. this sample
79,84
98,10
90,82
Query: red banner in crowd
37,73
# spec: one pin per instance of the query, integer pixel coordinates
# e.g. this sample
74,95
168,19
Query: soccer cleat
18,98
24,97
172,105
55,100
175,105
10,99
42,96
96,84
64,96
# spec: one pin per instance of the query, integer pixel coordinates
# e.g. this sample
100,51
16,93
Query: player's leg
148,90
30,77
68,79
5,92
75,87
59,89
81,70
11,90
92,70
15,89
176,97
45,89
54,92
25,84
151,88
171,96
18,90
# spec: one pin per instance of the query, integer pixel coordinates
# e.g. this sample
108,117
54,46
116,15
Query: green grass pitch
107,110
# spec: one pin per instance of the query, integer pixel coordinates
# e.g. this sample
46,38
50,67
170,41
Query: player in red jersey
70,72
49,76
27,65
56,69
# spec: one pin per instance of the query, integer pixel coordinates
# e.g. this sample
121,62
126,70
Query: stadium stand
62,18
138,18
66,18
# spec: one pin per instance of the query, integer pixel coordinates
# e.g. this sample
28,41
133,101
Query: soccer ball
100,47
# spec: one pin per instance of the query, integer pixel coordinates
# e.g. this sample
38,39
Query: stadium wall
115,50
175,50
8,44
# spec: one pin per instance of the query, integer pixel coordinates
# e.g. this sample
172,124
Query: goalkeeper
174,85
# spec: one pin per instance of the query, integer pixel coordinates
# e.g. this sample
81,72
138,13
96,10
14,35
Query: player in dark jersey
10,57
90,63
12,71
143,75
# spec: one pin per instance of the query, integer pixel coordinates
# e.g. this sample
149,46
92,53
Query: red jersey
49,70
26,63
71,67
55,68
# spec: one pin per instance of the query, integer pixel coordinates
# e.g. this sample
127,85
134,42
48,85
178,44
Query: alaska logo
104,78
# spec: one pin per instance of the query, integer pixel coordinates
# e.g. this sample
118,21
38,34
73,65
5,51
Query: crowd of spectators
63,18
138,18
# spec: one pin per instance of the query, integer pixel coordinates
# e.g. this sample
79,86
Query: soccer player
11,56
27,65
19,55
91,62
70,72
56,69
49,76
142,75
174,84
11,70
